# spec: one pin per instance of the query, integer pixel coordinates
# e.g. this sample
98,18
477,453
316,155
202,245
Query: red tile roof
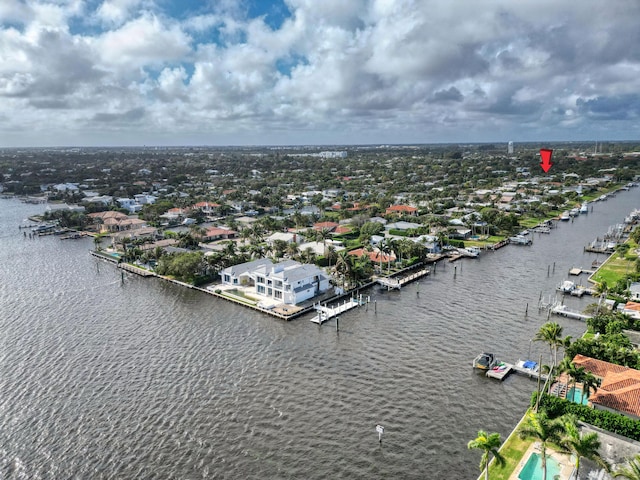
373,256
328,225
620,387
401,209
599,368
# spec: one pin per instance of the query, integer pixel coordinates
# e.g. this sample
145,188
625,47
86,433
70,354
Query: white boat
574,212
567,286
520,240
584,208
542,229
471,251
485,361
565,216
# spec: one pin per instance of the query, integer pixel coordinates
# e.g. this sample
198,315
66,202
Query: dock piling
548,268
554,267
337,324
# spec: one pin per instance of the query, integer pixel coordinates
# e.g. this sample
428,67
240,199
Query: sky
291,72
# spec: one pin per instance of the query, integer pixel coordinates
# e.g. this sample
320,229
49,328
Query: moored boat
485,361
565,217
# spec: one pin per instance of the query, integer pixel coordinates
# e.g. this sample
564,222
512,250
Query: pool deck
566,467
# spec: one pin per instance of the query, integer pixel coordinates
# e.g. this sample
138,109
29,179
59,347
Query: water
145,379
575,395
533,468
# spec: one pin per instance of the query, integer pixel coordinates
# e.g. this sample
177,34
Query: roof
401,209
375,256
215,231
108,214
620,391
599,368
328,225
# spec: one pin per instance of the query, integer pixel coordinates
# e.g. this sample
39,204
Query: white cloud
395,67
117,12
141,42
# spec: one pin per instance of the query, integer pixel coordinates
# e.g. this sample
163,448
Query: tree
575,373
581,446
589,383
550,333
546,431
631,471
490,445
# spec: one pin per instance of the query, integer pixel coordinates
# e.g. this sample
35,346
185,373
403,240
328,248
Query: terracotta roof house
217,233
342,229
331,226
619,391
402,210
206,207
375,256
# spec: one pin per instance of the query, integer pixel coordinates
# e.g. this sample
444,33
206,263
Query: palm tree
581,446
630,472
323,235
546,431
589,382
343,265
550,333
490,445
575,373
330,254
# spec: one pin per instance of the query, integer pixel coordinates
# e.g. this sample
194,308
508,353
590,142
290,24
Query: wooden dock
395,283
579,271
500,244
504,369
325,313
563,311
500,371
519,368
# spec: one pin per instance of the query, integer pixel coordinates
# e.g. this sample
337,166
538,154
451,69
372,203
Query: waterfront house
634,290
288,281
619,389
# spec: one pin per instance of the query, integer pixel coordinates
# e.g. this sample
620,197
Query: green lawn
616,267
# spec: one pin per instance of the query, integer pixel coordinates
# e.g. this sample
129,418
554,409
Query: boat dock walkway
503,369
579,271
396,283
563,311
325,313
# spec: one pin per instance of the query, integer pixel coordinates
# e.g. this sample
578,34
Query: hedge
612,422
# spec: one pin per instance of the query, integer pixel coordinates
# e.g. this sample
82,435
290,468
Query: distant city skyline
306,72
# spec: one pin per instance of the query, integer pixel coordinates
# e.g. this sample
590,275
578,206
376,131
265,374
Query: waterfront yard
617,266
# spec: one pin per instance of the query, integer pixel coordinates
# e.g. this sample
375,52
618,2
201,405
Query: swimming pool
533,468
575,395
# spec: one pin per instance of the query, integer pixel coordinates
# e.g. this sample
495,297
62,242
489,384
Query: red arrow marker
545,155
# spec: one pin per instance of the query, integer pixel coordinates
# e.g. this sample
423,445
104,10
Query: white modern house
289,282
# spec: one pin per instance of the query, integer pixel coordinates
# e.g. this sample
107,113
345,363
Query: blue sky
237,72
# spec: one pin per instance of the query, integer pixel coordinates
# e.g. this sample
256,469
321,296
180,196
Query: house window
287,288
269,282
260,279
235,281
269,292
227,278
260,289
277,294
278,284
